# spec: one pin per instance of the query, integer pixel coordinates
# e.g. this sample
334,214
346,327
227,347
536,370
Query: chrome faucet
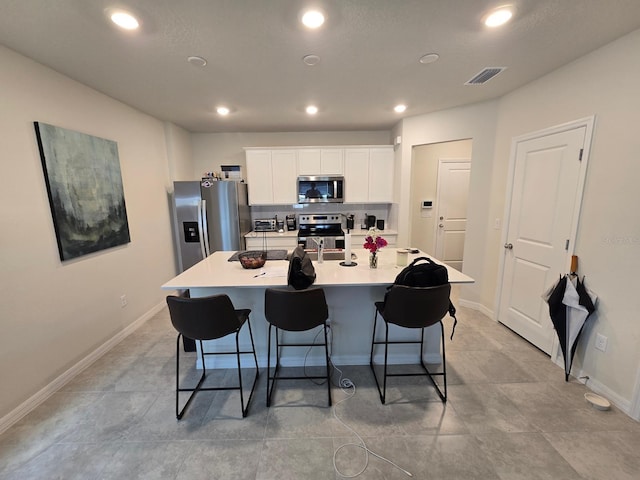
320,243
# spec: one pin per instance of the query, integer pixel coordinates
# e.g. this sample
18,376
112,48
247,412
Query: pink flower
373,242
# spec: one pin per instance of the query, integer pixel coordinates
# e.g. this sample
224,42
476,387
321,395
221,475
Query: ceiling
369,55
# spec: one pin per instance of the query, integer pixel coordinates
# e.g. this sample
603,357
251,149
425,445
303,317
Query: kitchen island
350,292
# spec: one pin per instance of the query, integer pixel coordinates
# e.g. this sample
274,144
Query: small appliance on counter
371,220
264,225
291,223
350,222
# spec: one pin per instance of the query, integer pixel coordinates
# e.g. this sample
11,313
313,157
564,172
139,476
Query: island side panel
351,313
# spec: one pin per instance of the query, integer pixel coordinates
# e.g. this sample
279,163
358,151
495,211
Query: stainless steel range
327,226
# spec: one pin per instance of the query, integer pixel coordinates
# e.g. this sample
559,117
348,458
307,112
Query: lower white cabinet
358,236
273,243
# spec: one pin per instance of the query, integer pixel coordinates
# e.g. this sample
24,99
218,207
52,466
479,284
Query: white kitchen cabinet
320,161
358,236
368,175
259,177
381,175
356,175
284,165
287,243
271,176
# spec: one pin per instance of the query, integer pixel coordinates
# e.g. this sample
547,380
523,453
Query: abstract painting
84,183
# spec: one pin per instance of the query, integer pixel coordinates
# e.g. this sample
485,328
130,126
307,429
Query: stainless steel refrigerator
209,216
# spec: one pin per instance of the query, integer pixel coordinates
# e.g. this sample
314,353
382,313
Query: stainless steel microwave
318,189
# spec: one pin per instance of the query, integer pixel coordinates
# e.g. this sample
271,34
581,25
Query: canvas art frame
86,194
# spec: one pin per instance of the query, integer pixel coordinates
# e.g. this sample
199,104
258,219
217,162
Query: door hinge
566,245
581,152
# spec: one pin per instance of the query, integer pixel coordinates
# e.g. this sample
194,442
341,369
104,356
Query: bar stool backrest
295,310
203,318
416,307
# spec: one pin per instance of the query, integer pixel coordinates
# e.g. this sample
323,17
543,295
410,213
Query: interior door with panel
544,205
451,210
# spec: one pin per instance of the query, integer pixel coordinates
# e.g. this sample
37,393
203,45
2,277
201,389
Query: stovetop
320,225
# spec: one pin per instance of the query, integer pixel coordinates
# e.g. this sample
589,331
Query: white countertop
217,271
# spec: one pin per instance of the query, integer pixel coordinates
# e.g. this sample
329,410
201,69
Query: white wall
210,150
605,84
54,314
179,153
476,122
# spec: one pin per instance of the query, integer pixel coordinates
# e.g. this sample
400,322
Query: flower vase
373,260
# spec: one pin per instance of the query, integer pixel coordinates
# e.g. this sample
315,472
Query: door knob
508,246
441,225
441,218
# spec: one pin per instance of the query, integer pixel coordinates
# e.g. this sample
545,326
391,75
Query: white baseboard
476,306
591,383
38,398
317,361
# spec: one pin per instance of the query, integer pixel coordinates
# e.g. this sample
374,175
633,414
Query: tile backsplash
359,210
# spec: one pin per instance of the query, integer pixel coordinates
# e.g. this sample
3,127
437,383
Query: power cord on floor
349,389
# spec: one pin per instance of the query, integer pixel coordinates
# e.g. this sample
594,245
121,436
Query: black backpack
424,272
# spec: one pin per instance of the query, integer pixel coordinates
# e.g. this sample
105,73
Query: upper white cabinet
368,175
381,175
271,176
272,173
320,161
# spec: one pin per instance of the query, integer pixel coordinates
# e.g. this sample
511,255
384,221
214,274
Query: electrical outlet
601,343
123,301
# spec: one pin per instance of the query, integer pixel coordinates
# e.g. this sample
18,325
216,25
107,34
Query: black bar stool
295,311
210,318
412,307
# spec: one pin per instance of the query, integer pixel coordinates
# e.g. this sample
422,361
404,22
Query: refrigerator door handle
205,229
203,232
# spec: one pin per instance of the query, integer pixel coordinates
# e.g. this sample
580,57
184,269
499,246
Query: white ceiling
369,53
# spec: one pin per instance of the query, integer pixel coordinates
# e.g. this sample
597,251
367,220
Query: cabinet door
331,161
381,175
309,161
356,175
284,168
259,177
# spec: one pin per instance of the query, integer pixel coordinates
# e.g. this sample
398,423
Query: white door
451,210
548,177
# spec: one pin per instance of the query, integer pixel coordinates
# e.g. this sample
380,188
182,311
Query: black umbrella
570,304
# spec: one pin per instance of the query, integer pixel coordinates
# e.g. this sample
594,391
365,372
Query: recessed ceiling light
312,19
197,61
311,60
499,16
399,108
124,20
429,58
223,111
311,110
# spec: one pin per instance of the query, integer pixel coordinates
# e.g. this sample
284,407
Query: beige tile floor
510,415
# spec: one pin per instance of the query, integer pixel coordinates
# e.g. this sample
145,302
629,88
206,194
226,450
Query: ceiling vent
485,75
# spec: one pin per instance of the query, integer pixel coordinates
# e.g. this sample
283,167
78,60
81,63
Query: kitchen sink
328,255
